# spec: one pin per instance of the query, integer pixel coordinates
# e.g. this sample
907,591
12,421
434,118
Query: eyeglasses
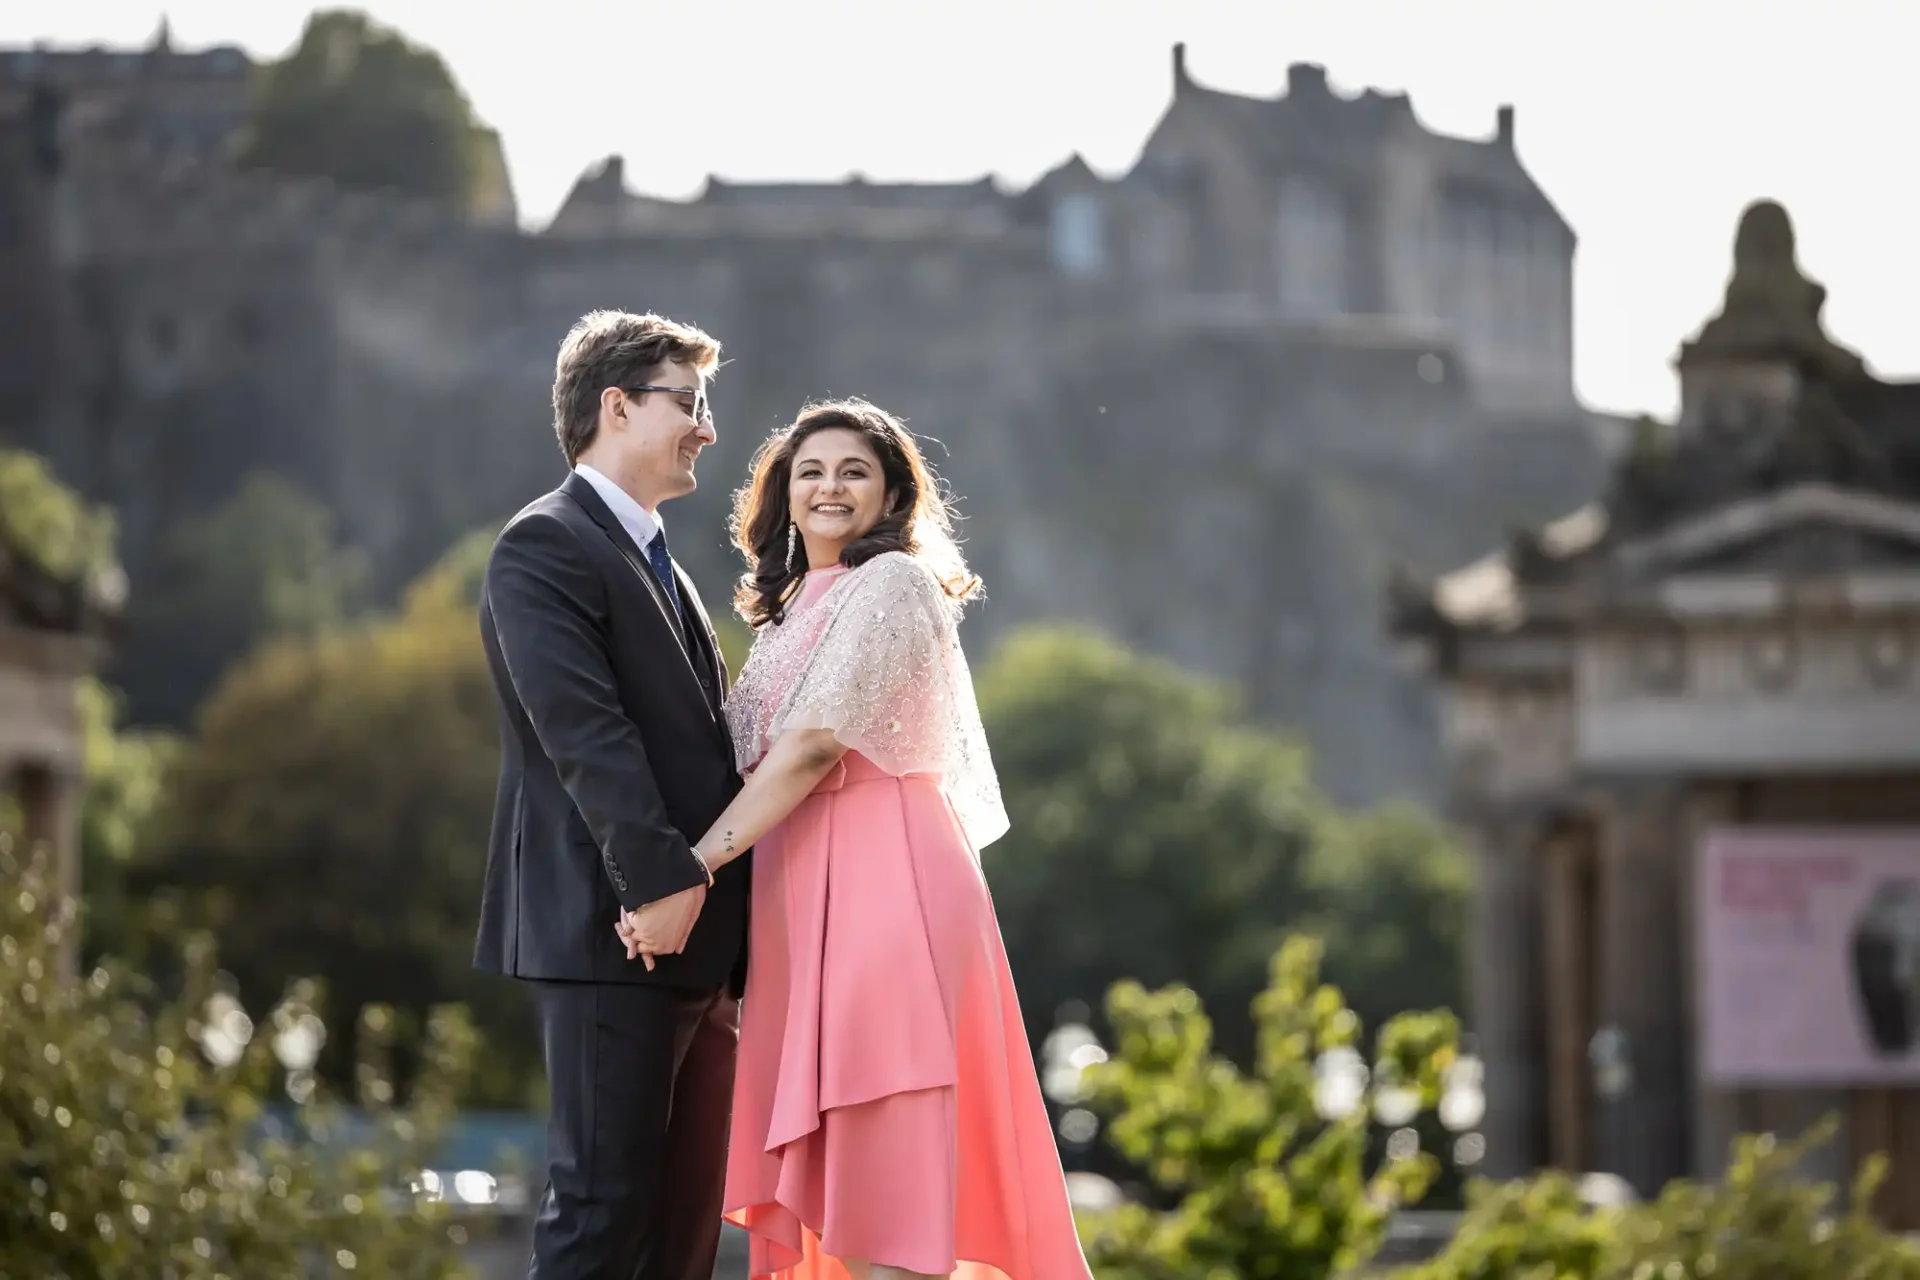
702,411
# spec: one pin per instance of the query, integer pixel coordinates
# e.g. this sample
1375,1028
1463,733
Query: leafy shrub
1259,1185
1763,1221
137,1138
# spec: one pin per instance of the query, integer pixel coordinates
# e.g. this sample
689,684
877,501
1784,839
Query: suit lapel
582,492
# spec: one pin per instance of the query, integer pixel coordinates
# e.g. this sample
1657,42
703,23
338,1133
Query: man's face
663,432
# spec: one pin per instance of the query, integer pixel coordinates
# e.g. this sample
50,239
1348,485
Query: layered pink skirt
885,1104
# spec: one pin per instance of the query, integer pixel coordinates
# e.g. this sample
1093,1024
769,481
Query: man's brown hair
616,349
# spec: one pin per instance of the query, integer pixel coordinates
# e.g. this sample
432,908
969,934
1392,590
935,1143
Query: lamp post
1463,1105
1339,1083
225,1030
298,1036
1340,1079
1610,1058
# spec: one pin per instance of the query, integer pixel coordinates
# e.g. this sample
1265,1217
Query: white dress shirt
641,524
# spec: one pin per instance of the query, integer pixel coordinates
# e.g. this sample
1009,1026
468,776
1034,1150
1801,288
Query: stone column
1567,910
1643,1135
1716,1110
1504,994
50,806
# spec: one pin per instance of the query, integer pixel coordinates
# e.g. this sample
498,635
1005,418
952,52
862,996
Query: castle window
1548,289
1516,319
1078,235
1471,285
1160,239
1310,245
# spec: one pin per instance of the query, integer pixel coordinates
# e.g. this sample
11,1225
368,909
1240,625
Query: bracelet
705,866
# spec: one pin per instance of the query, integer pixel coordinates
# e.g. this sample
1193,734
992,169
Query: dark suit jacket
614,754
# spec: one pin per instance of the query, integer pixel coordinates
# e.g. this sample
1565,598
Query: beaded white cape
877,660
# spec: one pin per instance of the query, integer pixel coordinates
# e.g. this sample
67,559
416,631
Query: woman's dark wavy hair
919,520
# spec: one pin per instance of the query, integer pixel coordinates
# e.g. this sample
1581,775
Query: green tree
1262,1186
137,1138
1389,890
330,815
453,585
55,530
125,775
1157,838
360,104
736,641
264,564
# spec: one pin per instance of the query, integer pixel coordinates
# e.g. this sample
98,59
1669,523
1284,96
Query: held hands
661,928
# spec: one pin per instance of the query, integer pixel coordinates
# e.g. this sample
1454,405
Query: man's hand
661,928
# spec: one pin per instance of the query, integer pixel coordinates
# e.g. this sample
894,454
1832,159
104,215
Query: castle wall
1146,447
29,343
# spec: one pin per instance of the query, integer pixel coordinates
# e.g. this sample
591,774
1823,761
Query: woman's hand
623,930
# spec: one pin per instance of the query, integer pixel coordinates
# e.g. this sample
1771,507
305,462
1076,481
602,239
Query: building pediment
1805,528
1741,556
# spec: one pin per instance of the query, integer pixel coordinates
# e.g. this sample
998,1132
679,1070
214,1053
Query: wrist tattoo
727,842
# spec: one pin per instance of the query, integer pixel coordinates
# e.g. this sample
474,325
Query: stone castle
1204,405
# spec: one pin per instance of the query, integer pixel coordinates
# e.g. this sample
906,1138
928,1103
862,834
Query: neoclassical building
1683,728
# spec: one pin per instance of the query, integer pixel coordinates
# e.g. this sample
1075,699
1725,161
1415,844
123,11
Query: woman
886,1116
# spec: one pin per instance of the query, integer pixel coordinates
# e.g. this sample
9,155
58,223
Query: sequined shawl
877,660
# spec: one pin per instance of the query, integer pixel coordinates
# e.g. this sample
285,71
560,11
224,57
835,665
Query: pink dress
885,1103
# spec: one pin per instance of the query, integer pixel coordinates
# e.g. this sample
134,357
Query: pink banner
1809,948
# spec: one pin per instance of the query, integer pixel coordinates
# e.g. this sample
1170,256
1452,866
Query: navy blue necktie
663,569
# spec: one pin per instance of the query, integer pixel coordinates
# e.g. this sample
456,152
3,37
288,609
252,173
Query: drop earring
793,536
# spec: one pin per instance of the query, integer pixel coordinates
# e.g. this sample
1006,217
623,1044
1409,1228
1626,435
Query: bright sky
1650,123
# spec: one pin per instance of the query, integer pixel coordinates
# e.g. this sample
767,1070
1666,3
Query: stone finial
1503,125
1181,79
1772,309
1765,238
1307,79
610,178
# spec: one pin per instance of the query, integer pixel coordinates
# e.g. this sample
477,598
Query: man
615,757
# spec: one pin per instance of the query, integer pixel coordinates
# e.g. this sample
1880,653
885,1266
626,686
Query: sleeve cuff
684,871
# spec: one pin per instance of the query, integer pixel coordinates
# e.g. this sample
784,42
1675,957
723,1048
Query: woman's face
838,492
